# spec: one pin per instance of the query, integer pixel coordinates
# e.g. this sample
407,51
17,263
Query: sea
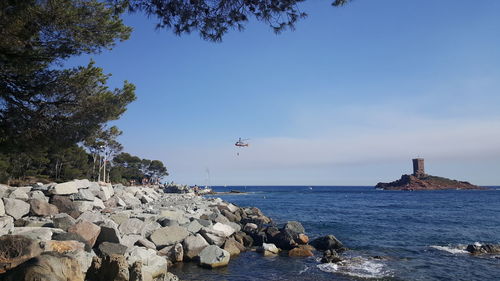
391,235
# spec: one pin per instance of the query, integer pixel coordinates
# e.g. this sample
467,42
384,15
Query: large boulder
131,226
285,239
85,183
37,194
83,194
49,266
114,267
174,253
65,205
107,248
2,208
153,265
16,208
35,232
213,256
6,224
328,242
224,228
87,230
63,221
109,233
83,206
268,249
294,226
214,237
15,250
168,235
233,247
66,188
301,251
20,194
41,208
193,245
194,226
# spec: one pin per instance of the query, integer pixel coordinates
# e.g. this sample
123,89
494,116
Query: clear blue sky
348,98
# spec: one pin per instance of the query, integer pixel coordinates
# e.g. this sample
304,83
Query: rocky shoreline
82,230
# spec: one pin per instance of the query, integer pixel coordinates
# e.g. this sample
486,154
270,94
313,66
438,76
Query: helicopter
242,143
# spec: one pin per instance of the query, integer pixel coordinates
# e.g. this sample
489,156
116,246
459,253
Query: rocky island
82,230
421,181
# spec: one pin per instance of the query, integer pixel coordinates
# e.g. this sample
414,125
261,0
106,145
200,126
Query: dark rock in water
113,267
49,266
244,239
271,232
328,242
71,236
258,238
15,250
107,248
330,256
483,249
295,226
65,205
425,182
285,240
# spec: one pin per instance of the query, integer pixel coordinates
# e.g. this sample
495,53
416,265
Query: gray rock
294,226
174,253
91,216
146,243
169,235
83,206
85,183
84,258
107,248
131,226
109,233
120,218
6,224
193,245
130,240
20,194
149,228
37,194
63,221
213,256
153,266
212,236
16,208
83,195
98,204
194,226
36,233
4,191
64,188
224,228
2,208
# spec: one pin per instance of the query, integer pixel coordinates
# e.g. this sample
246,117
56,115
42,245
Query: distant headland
419,180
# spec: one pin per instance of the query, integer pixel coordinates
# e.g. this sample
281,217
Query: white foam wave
451,249
306,268
357,267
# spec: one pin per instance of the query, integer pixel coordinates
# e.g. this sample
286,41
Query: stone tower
418,167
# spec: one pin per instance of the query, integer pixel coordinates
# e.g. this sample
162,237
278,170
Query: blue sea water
416,235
